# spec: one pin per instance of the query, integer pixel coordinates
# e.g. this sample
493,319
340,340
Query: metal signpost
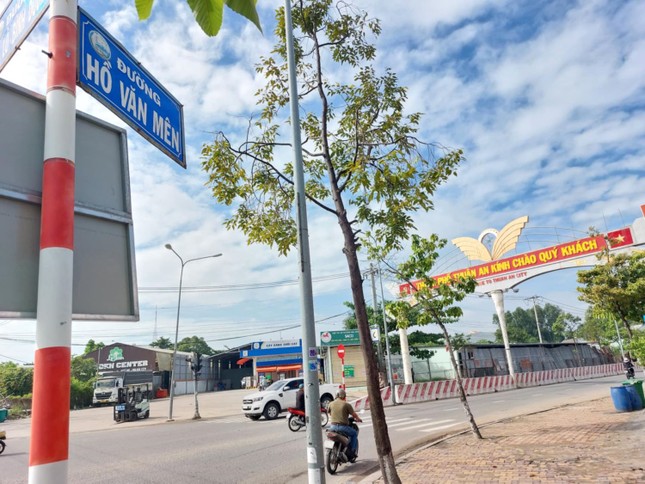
17,21
341,355
110,74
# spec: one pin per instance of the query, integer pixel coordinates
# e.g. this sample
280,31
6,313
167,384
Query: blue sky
545,97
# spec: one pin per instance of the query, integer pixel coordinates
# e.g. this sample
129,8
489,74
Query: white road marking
440,427
409,421
425,424
368,422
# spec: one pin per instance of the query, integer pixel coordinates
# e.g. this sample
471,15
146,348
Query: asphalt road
232,448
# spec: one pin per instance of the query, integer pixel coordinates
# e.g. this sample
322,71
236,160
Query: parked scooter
336,445
297,418
3,437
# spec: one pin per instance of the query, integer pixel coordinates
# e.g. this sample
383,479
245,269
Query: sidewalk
585,442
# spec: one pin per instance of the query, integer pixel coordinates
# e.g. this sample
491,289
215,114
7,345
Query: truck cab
106,390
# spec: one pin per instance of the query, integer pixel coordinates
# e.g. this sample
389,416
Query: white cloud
546,99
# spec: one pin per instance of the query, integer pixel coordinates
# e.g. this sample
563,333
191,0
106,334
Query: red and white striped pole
49,445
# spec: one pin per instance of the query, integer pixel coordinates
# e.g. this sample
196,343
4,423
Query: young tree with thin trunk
364,164
434,303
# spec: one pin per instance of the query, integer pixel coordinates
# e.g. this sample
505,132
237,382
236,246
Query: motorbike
3,436
629,373
297,418
336,445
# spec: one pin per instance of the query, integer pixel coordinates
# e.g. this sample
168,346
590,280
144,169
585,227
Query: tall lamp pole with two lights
174,353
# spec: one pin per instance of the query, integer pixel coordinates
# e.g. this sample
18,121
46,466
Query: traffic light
196,363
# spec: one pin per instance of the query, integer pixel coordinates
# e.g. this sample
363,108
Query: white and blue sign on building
109,73
271,348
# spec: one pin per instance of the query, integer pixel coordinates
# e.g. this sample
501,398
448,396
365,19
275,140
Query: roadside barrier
437,390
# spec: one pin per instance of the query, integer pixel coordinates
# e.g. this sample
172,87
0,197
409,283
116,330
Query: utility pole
537,321
390,378
375,306
315,451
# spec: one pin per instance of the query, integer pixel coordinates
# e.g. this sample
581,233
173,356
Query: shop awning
267,369
273,369
289,367
241,361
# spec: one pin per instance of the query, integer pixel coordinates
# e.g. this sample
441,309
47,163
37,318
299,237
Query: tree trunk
381,435
628,328
460,385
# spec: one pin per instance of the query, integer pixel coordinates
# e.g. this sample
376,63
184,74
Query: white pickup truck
280,396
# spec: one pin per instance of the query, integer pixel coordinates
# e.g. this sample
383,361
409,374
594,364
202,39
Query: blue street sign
17,20
110,74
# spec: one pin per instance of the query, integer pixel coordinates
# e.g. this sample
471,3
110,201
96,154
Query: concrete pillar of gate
498,300
405,355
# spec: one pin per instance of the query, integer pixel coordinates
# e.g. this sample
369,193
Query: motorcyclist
629,366
300,398
340,410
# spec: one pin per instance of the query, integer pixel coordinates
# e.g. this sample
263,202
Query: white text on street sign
110,74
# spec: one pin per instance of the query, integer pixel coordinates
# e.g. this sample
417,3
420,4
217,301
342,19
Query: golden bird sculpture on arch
505,240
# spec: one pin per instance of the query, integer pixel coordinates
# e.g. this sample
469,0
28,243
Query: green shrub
80,394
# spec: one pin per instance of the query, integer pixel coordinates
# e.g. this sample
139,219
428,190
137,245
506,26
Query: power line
14,359
239,287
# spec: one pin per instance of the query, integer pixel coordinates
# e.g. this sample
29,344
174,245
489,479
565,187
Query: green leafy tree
163,343
522,328
81,392
418,341
567,325
435,303
195,344
375,318
598,327
616,286
15,381
92,346
83,369
83,376
363,162
209,14
459,340
636,346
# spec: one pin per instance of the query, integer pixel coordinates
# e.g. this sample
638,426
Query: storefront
354,366
123,357
274,360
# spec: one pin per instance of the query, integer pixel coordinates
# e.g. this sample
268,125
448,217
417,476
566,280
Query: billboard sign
17,21
105,286
109,73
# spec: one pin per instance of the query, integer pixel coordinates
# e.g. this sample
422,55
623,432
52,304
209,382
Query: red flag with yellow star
620,238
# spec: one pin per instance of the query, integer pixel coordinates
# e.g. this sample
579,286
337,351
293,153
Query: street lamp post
174,353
